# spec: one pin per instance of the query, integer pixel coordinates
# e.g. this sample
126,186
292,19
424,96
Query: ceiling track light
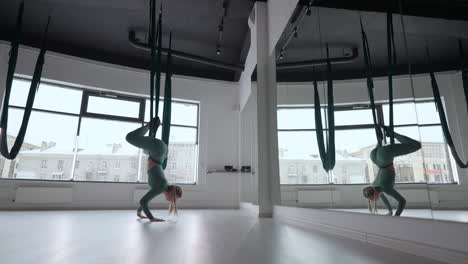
309,9
221,27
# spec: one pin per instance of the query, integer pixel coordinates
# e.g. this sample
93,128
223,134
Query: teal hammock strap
155,63
158,63
31,95
443,118
370,82
319,128
167,100
326,149
331,115
391,53
152,41
464,71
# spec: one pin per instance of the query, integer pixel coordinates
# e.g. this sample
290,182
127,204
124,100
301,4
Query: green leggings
157,185
157,151
393,193
383,156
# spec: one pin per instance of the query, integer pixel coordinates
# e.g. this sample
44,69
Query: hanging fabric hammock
391,53
167,99
464,71
155,76
327,153
442,116
152,42
370,82
155,40
158,64
32,90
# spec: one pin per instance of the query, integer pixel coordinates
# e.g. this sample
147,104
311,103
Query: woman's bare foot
141,216
157,220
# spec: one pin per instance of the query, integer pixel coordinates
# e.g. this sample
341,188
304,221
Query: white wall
218,134
279,13
355,91
248,149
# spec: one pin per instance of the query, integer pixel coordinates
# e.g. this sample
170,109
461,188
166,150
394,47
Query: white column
268,164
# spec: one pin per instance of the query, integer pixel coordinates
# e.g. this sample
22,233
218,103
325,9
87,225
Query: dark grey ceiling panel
98,30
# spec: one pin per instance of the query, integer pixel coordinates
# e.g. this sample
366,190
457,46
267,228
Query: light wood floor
198,236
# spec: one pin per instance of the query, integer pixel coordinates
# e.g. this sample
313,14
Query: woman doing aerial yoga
155,148
157,154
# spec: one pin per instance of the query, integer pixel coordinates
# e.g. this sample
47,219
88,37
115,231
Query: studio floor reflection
445,215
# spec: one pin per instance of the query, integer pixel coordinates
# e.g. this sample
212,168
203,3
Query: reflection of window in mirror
297,141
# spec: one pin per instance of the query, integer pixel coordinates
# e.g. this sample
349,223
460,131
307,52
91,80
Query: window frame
197,127
115,96
83,113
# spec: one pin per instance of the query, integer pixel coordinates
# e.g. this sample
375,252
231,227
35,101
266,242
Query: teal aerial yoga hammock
152,42
158,64
155,77
442,116
167,100
391,53
327,153
464,71
370,82
31,95
155,64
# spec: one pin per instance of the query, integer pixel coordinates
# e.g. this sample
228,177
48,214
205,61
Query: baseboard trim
418,249
265,215
321,227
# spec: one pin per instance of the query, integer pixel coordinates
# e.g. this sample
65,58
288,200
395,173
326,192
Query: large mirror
423,177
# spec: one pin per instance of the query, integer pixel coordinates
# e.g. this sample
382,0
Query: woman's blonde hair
369,192
176,193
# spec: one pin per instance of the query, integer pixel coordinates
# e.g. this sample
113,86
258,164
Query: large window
79,135
355,138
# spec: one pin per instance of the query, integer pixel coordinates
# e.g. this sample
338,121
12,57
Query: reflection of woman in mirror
383,156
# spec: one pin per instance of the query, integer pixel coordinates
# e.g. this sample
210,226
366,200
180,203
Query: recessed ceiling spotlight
309,8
